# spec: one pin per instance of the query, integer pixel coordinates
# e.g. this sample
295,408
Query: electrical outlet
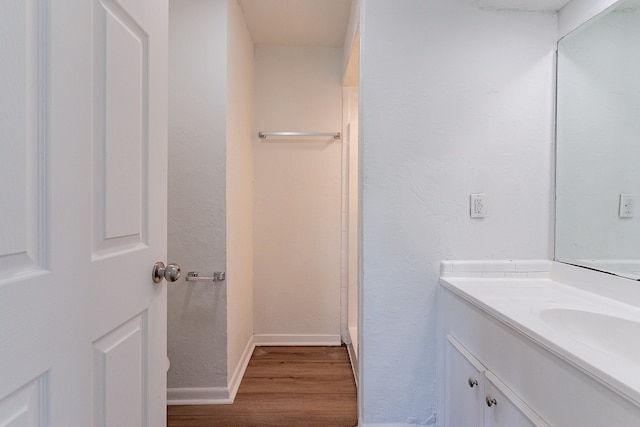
478,205
627,205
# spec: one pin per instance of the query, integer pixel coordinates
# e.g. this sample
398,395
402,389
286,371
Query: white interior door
82,212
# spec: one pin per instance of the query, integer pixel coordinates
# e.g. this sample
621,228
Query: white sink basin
605,332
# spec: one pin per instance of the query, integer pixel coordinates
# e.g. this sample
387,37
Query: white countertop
518,302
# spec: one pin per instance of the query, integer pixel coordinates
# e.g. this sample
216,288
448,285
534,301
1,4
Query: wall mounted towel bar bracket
194,276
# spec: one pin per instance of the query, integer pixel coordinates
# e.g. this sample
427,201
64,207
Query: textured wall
454,100
197,312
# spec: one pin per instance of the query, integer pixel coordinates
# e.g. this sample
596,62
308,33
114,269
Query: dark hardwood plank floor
284,386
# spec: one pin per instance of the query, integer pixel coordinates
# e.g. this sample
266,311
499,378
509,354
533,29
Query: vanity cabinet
532,384
475,397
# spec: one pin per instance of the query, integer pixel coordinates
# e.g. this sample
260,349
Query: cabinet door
464,387
504,409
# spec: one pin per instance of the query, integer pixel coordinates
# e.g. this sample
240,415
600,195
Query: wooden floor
284,386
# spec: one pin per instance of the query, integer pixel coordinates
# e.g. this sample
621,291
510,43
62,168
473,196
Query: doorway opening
279,216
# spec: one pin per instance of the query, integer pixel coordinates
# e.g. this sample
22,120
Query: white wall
598,128
197,313
211,197
454,100
239,194
297,203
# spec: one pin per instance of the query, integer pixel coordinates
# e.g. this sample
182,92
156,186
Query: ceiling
324,22
297,22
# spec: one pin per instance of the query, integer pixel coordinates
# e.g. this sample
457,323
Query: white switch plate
627,205
478,205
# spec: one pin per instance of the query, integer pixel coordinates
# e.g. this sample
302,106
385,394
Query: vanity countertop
593,332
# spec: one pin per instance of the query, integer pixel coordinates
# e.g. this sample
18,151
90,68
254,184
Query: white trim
296,340
214,395
353,339
241,367
198,396
509,268
353,358
363,424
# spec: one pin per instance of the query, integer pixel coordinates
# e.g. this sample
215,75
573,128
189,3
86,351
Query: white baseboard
213,395
198,396
353,357
352,349
362,424
296,340
236,378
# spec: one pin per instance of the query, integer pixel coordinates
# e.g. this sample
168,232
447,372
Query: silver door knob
171,272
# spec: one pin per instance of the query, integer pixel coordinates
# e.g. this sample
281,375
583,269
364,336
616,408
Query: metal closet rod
264,135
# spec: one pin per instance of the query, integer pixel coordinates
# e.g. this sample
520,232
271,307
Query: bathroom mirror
598,143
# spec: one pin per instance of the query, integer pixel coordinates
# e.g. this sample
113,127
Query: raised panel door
505,409
464,387
82,212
